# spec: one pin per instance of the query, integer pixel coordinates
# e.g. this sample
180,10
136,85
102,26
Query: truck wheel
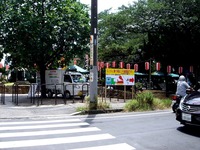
50,94
67,95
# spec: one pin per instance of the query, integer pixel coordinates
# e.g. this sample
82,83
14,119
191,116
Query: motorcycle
176,99
175,102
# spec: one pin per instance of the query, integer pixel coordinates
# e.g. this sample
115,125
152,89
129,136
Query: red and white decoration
146,65
136,67
114,64
121,64
180,70
107,65
102,64
169,69
7,67
157,66
128,66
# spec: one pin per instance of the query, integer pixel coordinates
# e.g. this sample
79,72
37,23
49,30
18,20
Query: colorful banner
111,71
120,76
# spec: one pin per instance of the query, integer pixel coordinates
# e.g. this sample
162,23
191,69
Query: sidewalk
25,109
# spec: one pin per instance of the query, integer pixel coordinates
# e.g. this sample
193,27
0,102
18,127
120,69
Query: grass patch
146,101
100,106
9,84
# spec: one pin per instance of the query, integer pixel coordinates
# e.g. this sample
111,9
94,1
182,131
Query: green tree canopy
165,30
40,32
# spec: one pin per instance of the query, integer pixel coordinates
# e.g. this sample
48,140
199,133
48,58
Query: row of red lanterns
147,66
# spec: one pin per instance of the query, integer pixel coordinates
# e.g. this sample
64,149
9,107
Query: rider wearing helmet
182,86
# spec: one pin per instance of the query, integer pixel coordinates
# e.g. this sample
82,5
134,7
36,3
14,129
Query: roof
78,69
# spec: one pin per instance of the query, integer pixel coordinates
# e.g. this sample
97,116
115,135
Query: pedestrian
182,86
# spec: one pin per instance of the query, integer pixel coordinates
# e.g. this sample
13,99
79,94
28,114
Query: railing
2,92
35,97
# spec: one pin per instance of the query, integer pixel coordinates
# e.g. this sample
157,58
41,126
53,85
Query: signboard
120,76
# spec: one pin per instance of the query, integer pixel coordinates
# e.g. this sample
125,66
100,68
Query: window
67,78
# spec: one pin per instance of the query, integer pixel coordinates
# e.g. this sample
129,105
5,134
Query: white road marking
38,122
122,146
53,141
49,132
43,126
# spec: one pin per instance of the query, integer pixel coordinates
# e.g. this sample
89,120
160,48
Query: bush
131,105
146,101
145,98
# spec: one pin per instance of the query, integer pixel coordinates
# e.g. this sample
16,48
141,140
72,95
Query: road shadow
191,130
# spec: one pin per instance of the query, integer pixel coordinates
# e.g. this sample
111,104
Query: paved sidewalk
25,109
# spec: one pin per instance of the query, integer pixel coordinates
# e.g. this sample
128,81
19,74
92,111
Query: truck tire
50,94
67,95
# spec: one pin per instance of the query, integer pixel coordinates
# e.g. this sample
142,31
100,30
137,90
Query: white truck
69,84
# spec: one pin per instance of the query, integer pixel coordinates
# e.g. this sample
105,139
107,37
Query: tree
173,30
41,32
165,30
116,41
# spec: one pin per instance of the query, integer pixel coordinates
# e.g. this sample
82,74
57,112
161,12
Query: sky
106,4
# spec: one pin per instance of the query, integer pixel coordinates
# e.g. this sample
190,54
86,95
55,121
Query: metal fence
33,95
2,92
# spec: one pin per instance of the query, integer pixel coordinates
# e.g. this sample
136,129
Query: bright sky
106,4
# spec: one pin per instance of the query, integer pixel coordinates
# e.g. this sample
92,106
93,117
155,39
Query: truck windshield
78,78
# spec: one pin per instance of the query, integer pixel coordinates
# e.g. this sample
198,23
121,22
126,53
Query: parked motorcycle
175,102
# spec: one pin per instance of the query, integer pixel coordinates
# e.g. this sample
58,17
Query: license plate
186,117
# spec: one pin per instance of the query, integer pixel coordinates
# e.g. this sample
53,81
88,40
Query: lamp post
93,57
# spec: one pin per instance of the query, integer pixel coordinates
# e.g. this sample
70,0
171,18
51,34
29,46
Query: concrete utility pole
93,56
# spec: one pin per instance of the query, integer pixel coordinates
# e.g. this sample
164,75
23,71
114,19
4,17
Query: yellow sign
111,71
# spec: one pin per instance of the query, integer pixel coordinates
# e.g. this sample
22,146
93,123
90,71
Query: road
156,130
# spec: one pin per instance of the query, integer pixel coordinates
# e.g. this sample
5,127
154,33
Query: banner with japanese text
120,76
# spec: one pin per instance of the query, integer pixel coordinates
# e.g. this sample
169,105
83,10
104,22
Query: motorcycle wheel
174,107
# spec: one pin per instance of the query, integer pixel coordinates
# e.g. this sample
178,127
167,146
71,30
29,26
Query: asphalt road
157,130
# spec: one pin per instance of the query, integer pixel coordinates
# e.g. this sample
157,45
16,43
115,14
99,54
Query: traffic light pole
93,57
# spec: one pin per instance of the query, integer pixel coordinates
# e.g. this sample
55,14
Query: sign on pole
120,76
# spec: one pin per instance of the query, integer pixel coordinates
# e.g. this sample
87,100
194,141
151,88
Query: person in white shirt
182,86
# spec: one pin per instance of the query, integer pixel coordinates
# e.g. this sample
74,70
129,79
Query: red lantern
98,65
136,67
169,69
1,66
146,65
102,64
180,70
113,64
128,66
107,65
158,66
7,67
121,64
191,69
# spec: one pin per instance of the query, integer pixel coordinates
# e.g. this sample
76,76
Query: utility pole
93,57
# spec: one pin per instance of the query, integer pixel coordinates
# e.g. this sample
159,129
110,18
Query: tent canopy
140,74
173,75
78,69
157,73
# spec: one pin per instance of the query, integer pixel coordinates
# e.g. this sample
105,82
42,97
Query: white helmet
182,78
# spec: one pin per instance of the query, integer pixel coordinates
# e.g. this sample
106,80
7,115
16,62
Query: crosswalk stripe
38,122
120,146
43,126
53,141
49,132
